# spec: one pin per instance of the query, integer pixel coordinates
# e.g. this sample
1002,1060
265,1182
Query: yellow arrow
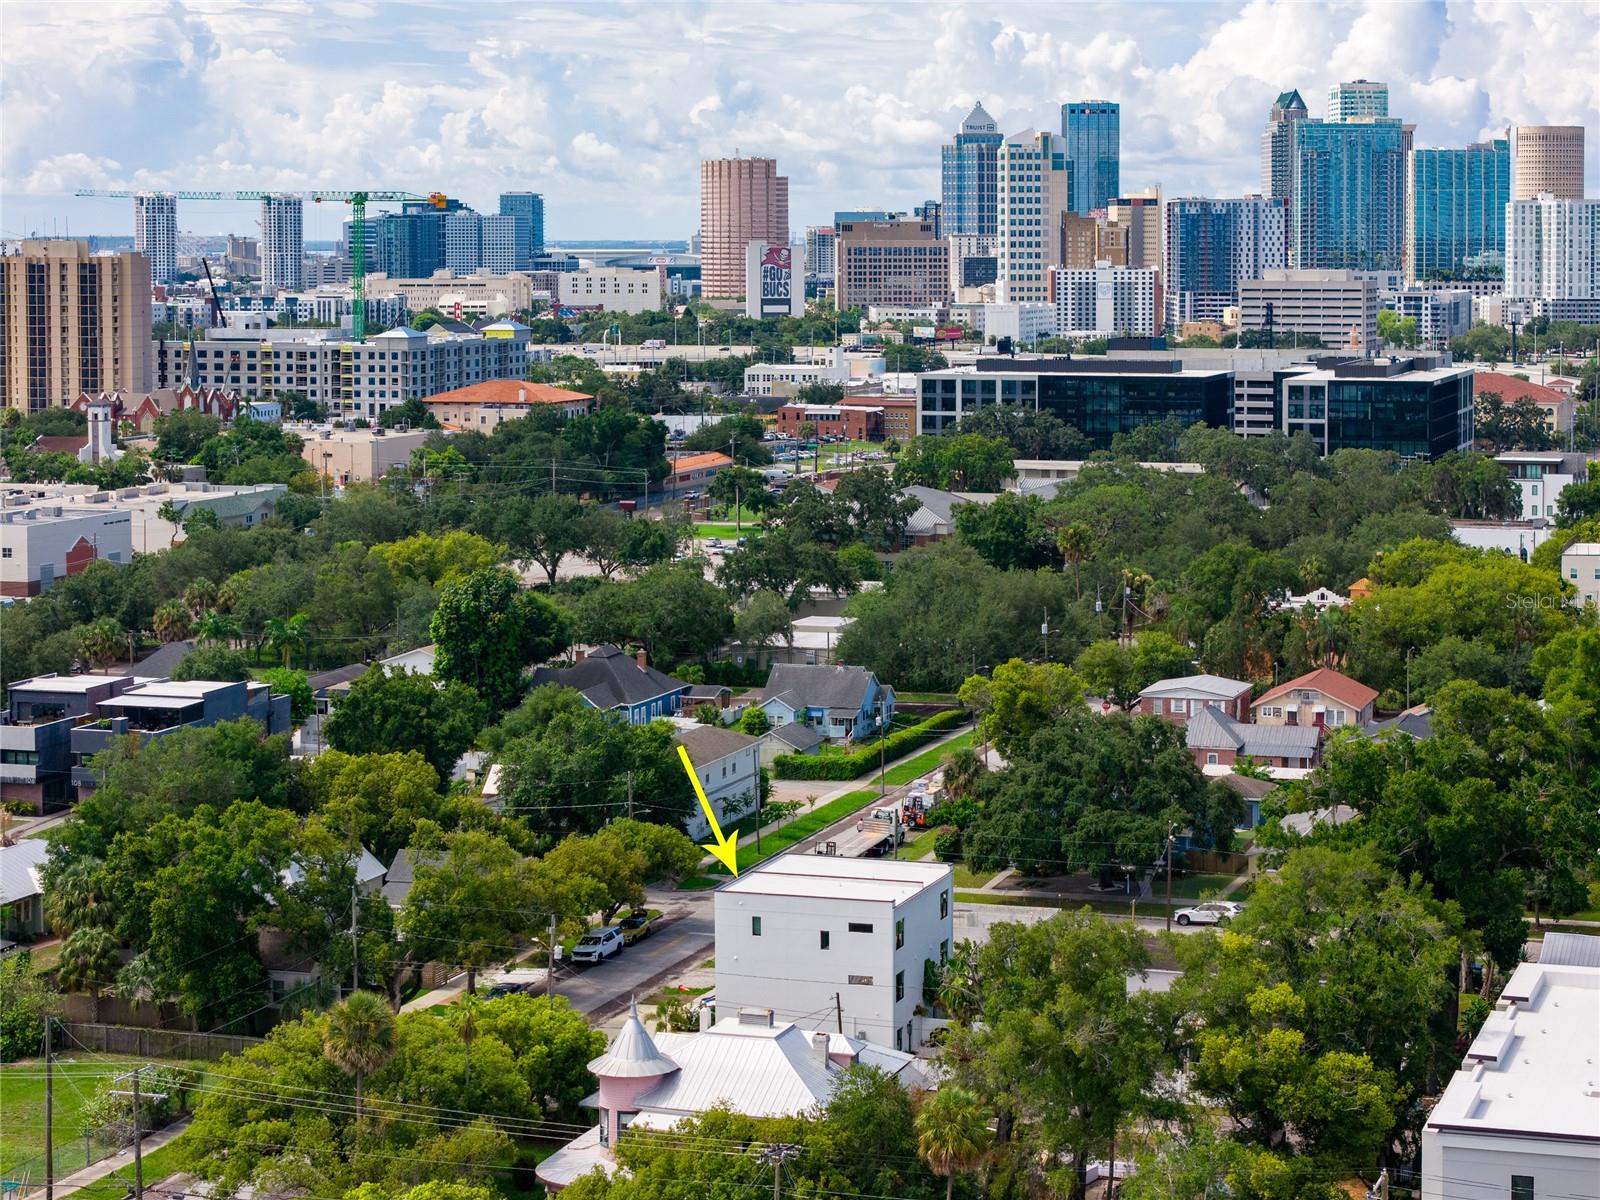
726,849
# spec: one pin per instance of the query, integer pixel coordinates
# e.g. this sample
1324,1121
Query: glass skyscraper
1093,133
968,162
1456,208
1347,210
527,209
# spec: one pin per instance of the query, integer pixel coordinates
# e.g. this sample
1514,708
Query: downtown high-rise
1553,249
742,200
155,233
527,210
1092,130
1456,210
1214,245
1347,194
967,171
1357,98
1031,181
1277,146
282,246
1547,160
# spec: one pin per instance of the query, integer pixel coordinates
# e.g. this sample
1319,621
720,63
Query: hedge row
858,762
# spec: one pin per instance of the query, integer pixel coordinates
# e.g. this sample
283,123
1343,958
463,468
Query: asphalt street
687,941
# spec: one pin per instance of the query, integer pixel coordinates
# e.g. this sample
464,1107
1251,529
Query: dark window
860,927
824,939
900,991
755,926
944,904
899,933
1522,1187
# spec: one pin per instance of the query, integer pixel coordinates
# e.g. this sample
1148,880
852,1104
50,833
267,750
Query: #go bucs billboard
769,281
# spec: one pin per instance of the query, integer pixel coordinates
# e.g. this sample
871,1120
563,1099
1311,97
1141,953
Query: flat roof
75,684
826,877
1531,1070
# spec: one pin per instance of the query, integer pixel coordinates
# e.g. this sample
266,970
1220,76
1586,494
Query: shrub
947,844
850,764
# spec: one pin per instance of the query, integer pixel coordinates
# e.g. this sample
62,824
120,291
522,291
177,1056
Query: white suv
598,944
1212,912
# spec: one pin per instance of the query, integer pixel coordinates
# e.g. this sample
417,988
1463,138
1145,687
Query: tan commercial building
1139,217
460,296
1032,176
1087,240
483,406
742,200
72,322
1547,159
891,262
1339,308
359,455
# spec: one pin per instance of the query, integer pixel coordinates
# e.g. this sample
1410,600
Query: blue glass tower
527,208
1093,133
968,176
1347,210
1456,208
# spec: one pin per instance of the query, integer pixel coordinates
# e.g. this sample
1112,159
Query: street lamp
1170,831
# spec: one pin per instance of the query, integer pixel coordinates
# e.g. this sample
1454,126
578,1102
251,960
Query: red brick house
1177,700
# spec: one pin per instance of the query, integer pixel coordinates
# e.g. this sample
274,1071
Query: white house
22,892
820,940
1580,566
1541,477
729,765
1521,1118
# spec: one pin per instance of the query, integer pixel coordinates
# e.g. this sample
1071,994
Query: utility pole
1170,828
838,1011
138,1141
775,1156
550,962
49,1114
355,944
630,795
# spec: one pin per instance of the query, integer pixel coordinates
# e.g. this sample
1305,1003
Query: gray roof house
1215,738
842,702
616,682
1416,720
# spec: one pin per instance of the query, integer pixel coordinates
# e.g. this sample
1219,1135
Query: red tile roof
1341,687
59,444
700,462
1511,389
510,391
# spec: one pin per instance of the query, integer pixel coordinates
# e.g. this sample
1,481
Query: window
1155,707
944,952
858,980
899,985
944,904
755,926
1522,1187
1211,760
824,939
5,552
1179,707
899,933
605,1127
860,927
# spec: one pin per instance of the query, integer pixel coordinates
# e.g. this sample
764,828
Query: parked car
1212,912
504,989
636,926
598,944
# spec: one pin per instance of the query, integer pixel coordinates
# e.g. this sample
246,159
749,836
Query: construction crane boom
357,200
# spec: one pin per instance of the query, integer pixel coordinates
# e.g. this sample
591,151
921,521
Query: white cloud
608,108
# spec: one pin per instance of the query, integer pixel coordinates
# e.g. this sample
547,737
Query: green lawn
22,1101
908,769
158,1165
1191,887
721,529
780,840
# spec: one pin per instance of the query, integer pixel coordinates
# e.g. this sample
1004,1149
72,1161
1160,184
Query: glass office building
1456,207
527,208
1384,405
1347,207
1093,133
968,175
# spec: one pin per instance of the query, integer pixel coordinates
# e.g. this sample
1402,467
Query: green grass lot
780,840
78,1080
1191,887
720,529
925,761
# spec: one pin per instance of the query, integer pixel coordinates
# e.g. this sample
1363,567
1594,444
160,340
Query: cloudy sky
606,107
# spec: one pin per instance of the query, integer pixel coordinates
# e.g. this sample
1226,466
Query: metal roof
1212,686
633,1055
1570,950
758,1070
20,866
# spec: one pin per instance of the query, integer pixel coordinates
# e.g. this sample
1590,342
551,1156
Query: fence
1216,862
156,1043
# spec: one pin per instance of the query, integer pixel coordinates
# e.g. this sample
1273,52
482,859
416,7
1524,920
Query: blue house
613,682
843,703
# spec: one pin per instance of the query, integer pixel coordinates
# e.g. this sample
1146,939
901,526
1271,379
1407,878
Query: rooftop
1341,687
20,866
707,743
65,684
822,877
700,462
1526,1072
607,678
1210,686
1213,729
510,391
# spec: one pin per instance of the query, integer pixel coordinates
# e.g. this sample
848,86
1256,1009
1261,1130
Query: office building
1414,407
1106,300
1099,396
1440,313
972,262
614,289
742,200
1023,322
463,296
932,212
1456,208
1033,178
1553,249
234,505
497,244
821,254
463,242
1277,146
1092,131
72,322
155,233
968,174
1212,246
1520,1118
1347,197
42,543
1580,566
1357,99
1086,241
412,243
1339,308
282,247
1138,216
1547,159
891,262
359,455
527,211
844,937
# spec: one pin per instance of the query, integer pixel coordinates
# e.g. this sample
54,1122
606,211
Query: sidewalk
121,1160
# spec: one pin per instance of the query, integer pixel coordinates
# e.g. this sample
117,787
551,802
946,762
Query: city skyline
607,113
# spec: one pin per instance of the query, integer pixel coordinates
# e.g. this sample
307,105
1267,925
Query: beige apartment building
72,322
891,262
1547,158
742,200
1139,217
359,455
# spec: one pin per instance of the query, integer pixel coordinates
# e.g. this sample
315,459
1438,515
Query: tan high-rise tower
1547,159
742,200
72,322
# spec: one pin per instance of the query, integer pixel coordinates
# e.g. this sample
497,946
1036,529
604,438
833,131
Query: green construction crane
358,227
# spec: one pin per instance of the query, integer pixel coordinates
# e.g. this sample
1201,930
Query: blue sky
606,108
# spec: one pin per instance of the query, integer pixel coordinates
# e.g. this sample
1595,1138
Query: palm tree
286,636
171,621
962,770
100,642
142,979
358,1037
74,900
200,596
88,963
216,627
1074,541
952,1134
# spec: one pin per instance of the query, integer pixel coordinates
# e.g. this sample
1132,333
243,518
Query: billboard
925,332
769,281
